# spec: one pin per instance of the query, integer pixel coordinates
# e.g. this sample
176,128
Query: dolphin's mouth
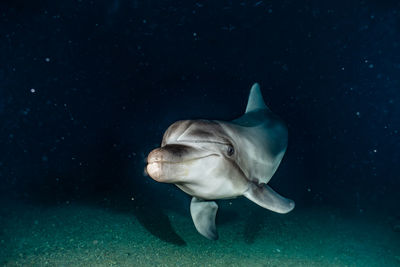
177,153
149,161
164,167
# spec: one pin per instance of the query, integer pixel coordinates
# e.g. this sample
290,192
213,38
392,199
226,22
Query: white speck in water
33,90
194,34
358,114
47,59
370,66
375,150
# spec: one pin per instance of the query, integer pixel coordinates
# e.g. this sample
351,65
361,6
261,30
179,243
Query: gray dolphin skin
210,160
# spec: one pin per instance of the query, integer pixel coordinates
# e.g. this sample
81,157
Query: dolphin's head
191,150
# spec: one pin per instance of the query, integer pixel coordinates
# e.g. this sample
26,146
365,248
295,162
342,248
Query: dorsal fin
256,100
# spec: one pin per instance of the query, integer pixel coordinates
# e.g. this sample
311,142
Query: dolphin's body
211,160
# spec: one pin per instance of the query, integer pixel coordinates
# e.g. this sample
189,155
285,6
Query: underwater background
87,89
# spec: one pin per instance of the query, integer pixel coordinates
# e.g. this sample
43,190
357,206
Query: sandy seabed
87,235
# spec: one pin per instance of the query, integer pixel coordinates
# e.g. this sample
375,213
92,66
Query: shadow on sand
254,223
104,181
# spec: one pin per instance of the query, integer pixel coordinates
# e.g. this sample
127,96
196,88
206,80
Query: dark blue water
87,89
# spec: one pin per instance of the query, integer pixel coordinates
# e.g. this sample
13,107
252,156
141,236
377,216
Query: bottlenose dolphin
210,159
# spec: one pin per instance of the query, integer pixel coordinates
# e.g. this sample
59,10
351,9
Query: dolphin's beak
160,159
154,161
154,170
171,162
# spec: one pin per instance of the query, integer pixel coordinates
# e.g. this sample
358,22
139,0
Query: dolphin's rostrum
211,160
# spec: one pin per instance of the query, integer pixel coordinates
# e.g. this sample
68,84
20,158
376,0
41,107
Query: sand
76,234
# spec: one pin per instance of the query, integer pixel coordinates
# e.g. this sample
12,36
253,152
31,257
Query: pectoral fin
203,214
268,198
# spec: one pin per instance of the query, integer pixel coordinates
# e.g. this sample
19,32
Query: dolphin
212,159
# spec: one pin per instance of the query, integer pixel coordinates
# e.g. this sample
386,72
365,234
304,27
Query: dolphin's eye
230,150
